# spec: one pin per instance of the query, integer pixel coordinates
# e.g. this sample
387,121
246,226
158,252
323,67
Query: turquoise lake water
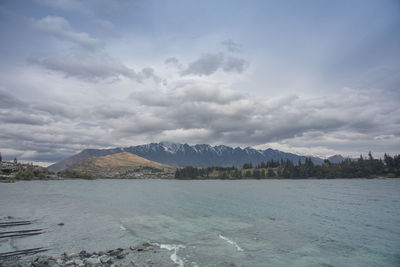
250,223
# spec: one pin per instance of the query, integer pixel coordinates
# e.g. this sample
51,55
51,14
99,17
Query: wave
230,242
180,261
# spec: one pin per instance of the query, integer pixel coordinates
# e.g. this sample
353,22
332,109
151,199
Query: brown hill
123,165
75,159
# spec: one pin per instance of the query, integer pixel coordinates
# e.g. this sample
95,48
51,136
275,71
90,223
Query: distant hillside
123,165
71,161
182,155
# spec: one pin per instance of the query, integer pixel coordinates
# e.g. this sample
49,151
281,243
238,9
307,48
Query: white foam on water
231,242
174,257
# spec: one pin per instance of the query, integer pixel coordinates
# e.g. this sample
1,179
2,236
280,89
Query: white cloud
208,64
94,68
203,92
60,28
200,113
173,61
14,153
196,135
189,111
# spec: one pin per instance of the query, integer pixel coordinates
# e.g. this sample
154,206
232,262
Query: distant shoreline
173,179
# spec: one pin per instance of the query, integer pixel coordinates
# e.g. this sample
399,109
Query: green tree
248,166
224,175
271,173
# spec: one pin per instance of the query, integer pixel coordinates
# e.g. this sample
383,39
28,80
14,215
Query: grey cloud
87,124
144,123
110,112
226,117
201,113
14,110
246,120
50,141
187,93
232,64
204,93
8,101
57,110
92,68
144,127
49,145
151,98
29,132
85,68
60,28
30,119
208,64
190,115
149,73
231,46
173,61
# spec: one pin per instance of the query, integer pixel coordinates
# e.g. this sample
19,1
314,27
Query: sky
309,77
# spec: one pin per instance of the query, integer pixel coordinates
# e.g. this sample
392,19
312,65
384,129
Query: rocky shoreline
145,255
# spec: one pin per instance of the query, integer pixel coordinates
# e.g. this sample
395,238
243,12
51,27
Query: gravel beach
145,255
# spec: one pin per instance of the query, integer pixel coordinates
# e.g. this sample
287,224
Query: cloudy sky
310,77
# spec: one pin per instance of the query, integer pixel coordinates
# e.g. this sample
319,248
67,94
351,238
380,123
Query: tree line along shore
370,167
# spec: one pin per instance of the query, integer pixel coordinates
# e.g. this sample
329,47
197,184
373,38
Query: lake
249,222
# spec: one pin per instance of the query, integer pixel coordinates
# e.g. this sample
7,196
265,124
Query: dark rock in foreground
145,255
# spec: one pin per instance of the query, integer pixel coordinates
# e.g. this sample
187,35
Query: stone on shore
144,255
92,261
105,259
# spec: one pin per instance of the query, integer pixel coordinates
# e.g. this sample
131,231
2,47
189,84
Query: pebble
70,262
78,262
71,255
84,254
92,261
120,256
105,259
146,244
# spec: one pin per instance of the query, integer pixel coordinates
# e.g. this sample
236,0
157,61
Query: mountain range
200,155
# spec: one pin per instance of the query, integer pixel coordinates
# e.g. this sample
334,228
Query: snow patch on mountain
171,147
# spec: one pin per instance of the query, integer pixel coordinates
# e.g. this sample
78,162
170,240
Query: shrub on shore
29,175
76,174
